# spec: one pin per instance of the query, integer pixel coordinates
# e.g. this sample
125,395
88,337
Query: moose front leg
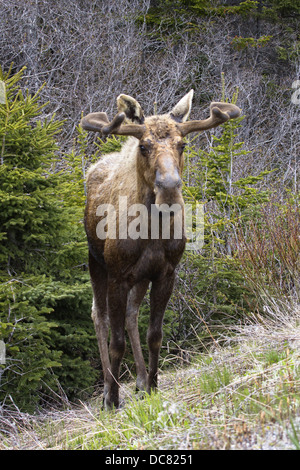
160,294
134,300
117,301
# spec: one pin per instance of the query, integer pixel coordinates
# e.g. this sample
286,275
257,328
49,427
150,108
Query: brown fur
147,171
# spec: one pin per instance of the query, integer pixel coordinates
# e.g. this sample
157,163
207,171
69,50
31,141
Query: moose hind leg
100,316
101,325
134,300
117,301
160,294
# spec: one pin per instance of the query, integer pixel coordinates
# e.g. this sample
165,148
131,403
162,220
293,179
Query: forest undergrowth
242,392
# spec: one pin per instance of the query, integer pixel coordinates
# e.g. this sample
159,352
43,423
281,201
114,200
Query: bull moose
147,171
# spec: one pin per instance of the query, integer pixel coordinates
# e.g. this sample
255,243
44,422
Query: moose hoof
141,385
110,405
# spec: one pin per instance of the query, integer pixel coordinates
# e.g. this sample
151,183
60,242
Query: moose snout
167,189
168,181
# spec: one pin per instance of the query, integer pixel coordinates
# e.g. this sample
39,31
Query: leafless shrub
89,52
268,251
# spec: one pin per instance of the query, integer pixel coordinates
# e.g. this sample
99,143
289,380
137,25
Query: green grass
241,395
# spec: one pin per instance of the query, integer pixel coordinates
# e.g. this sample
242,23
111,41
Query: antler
219,113
99,122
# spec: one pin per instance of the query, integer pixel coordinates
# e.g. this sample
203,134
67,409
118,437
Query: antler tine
219,113
94,122
99,122
114,125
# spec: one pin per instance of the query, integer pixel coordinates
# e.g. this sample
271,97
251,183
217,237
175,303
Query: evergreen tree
219,286
44,293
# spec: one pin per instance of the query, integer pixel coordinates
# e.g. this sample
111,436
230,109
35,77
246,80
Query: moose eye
144,150
182,147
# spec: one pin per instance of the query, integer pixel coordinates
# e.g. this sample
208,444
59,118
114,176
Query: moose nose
168,181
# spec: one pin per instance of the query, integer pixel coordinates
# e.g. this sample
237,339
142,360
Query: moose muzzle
167,188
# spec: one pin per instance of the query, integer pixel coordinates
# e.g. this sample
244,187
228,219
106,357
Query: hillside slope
242,393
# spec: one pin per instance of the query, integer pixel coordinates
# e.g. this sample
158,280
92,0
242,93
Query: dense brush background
62,58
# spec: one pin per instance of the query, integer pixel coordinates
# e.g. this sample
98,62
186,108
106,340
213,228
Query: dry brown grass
242,393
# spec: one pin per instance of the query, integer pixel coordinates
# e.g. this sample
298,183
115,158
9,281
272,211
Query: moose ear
131,108
181,111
